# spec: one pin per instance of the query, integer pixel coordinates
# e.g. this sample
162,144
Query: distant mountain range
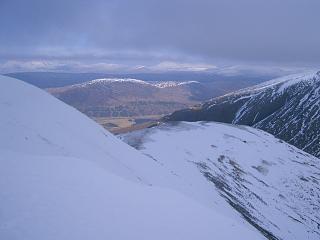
221,81
130,97
118,105
287,107
126,97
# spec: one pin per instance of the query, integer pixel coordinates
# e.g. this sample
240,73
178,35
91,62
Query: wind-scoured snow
273,185
62,176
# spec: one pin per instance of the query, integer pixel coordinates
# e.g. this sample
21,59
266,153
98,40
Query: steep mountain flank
287,107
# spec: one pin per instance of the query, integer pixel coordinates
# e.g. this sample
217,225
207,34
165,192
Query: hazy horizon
159,36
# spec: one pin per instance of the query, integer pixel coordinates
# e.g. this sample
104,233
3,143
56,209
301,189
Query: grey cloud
140,31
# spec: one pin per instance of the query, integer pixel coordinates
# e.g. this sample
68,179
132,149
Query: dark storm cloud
125,31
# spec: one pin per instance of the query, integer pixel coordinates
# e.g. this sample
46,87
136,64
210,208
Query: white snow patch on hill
273,185
174,84
158,84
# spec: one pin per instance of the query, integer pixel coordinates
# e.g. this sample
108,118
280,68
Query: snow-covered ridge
290,80
158,84
281,82
173,83
114,80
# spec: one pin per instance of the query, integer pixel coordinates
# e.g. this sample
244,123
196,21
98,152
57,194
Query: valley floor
118,125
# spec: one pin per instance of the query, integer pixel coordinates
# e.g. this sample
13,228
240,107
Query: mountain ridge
114,97
161,84
286,107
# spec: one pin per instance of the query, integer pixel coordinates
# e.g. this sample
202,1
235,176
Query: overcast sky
134,35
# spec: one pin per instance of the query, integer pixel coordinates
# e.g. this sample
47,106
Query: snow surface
64,177
166,84
161,84
274,185
284,83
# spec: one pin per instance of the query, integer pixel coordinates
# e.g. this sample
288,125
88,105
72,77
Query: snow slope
273,185
287,107
64,177
285,82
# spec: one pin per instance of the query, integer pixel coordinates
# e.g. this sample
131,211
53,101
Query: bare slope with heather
130,97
